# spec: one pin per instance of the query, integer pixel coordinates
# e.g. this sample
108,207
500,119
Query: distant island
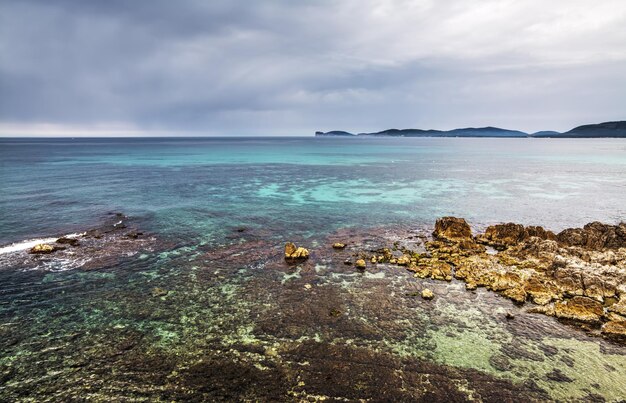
607,129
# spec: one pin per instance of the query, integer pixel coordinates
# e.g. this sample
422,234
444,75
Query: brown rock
452,229
595,235
615,328
619,306
582,309
502,236
541,291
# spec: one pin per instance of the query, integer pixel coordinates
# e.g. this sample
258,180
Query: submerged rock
68,241
452,229
293,252
159,292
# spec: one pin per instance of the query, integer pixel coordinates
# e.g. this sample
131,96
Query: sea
202,307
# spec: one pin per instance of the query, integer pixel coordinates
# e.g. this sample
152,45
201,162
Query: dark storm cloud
283,67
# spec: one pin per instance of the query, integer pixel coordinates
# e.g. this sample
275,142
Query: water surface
237,321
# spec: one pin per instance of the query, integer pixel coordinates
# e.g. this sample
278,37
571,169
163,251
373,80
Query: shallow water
237,321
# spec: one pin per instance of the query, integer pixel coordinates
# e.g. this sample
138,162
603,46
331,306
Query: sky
282,67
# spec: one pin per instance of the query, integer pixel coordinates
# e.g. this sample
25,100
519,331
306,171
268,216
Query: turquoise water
203,307
306,184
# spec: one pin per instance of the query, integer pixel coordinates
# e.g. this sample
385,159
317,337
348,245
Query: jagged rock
595,235
517,294
339,245
427,294
582,309
452,229
540,290
441,271
403,260
615,328
360,264
42,248
501,236
292,252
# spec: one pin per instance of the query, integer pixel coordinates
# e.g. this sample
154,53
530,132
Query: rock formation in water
577,275
293,252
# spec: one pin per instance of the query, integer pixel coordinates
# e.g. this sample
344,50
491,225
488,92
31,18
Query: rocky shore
394,313
577,275
115,238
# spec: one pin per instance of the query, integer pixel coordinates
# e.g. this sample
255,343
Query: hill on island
607,129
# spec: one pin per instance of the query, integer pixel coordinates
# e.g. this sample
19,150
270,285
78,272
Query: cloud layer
289,68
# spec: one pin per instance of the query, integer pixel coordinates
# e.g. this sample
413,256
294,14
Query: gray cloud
282,67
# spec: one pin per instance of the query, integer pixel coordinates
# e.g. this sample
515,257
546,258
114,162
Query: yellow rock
42,248
290,248
615,328
360,264
427,294
294,252
403,261
579,308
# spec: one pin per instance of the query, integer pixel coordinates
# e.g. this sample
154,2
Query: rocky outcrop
583,309
595,236
452,229
293,252
615,329
502,236
578,275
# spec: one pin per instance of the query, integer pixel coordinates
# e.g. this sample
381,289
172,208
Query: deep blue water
197,187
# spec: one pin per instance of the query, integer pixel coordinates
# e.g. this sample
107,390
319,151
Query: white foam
19,246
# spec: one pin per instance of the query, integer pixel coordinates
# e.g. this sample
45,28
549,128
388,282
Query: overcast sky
292,67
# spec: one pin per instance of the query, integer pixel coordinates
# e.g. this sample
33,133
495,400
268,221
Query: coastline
242,308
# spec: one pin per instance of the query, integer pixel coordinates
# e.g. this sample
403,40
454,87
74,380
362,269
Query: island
615,129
